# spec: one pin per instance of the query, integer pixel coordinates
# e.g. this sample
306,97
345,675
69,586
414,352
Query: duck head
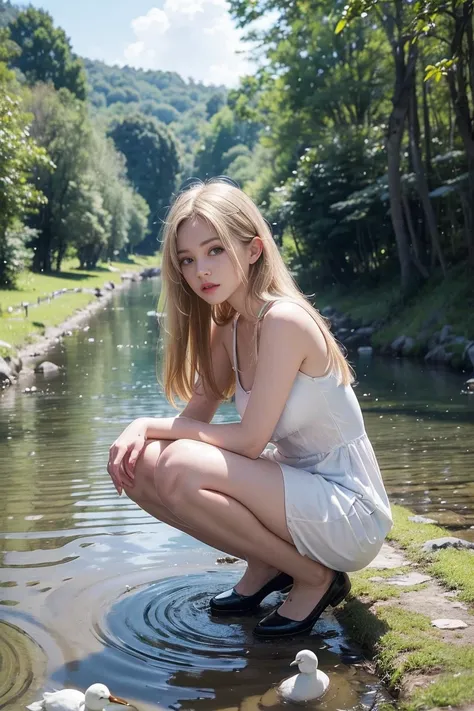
306,661
98,697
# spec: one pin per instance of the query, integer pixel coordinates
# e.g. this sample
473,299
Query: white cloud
195,38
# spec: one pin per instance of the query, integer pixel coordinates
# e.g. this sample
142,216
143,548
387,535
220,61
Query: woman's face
205,264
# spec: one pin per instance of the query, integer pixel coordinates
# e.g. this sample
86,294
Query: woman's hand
127,446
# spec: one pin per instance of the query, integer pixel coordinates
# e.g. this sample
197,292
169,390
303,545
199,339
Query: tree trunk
417,246
457,82
421,182
298,248
427,131
404,77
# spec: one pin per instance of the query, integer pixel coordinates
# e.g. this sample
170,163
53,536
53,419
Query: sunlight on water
94,589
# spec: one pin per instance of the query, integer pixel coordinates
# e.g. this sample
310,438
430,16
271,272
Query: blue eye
184,262
219,250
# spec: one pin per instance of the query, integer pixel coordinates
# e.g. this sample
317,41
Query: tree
46,53
406,25
19,157
214,104
61,126
8,12
153,164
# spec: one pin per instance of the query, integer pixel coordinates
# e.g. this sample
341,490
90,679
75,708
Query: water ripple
21,661
168,623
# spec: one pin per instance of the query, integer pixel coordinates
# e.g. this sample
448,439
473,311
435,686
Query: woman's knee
175,472
144,471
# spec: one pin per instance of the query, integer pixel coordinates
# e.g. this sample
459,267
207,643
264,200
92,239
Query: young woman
294,487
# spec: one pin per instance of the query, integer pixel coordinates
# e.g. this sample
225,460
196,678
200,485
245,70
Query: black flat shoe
231,602
275,625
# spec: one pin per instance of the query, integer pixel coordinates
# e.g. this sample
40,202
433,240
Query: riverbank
392,608
436,326
44,308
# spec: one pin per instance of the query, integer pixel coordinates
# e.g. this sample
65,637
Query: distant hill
184,107
115,91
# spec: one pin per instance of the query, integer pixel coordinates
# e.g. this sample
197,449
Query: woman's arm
200,408
284,344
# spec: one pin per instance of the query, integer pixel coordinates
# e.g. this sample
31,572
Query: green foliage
184,106
14,254
214,104
8,12
152,162
326,235
19,157
225,139
357,177
46,53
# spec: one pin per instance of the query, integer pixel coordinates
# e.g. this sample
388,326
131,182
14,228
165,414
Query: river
93,589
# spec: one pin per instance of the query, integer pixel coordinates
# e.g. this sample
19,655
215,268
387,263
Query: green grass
439,301
18,330
403,642
449,690
364,305
454,568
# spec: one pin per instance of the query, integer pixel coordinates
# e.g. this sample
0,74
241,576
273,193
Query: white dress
337,510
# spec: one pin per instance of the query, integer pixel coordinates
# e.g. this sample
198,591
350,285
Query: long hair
233,216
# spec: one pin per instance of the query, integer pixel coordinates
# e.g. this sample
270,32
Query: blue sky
193,37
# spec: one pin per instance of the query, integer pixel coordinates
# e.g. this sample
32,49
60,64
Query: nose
202,270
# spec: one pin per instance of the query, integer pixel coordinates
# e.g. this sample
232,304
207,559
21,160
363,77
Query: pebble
421,519
446,542
408,579
448,624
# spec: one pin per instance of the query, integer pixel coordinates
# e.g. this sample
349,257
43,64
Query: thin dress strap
264,309
234,343
260,316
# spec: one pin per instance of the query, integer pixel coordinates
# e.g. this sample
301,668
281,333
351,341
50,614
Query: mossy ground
417,662
438,302
19,330
453,568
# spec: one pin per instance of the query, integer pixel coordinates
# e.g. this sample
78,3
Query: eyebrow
206,241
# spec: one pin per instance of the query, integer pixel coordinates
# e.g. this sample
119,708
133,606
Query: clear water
93,589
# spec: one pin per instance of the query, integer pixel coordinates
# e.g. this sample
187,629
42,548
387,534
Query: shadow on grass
78,274
38,324
361,624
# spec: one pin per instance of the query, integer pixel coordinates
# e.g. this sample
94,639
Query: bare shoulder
290,323
290,316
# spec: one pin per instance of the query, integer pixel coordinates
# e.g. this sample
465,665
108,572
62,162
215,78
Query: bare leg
238,502
143,492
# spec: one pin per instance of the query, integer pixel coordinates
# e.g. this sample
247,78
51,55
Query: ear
256,249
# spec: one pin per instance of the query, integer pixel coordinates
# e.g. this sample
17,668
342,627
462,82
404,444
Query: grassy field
19,330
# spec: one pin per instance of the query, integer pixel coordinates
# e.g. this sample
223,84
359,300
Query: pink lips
209,287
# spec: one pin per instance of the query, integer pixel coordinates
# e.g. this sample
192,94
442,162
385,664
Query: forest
355,136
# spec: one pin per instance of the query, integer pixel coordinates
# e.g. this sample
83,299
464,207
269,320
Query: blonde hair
233,216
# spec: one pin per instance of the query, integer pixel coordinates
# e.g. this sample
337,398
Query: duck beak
294,663
118,700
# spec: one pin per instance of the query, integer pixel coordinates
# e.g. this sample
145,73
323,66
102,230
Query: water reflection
98,591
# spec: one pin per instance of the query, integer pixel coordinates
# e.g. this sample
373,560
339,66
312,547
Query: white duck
310,683
96,698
